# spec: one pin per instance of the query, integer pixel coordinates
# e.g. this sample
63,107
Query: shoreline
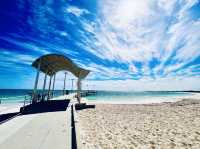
14,107
10,108
194,96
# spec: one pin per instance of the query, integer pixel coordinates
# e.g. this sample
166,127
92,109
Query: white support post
36,84
54,78
49,87
64,83
44,86
79,90
45,80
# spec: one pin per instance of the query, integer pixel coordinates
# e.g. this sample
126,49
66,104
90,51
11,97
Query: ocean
12,96
138,97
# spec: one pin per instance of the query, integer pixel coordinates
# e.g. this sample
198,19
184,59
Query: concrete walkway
48,130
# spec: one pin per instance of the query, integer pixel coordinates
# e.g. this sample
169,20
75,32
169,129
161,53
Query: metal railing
27,100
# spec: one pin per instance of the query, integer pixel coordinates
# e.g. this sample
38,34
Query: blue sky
127,44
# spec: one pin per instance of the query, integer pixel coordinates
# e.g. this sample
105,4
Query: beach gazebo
50,64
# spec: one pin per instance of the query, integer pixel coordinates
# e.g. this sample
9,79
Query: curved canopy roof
52,63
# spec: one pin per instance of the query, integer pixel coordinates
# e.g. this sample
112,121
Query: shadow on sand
8,116
46,106
83,106
40,107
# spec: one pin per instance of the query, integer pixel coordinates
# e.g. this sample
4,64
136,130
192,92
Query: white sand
10,108
162,126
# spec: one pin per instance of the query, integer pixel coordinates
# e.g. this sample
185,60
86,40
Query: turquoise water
17,96
12,96
138,97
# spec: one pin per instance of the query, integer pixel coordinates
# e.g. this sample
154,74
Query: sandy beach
120,126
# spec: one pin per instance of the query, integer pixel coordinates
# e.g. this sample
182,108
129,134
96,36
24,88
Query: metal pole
49,87
36,83
54,78
64,83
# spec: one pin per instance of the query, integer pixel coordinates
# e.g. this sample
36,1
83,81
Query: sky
126,44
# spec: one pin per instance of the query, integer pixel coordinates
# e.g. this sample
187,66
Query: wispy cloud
127,35
146,84
16,57
76,11
123,40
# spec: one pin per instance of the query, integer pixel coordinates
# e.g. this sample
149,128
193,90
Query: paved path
36,131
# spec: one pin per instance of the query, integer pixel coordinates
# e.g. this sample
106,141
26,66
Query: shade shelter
50,64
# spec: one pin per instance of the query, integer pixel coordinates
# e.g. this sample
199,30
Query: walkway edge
78,139
69,128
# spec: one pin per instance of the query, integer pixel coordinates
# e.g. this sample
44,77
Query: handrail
25,101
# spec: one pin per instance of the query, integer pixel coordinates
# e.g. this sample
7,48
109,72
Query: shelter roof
52,63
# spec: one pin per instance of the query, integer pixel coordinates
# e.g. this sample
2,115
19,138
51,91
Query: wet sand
120,126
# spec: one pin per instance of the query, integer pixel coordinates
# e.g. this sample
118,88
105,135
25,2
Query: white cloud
63,34
27,45
133,69
167,6
14,57
76,11
125,32
102,72
153,29
188,83
121,13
